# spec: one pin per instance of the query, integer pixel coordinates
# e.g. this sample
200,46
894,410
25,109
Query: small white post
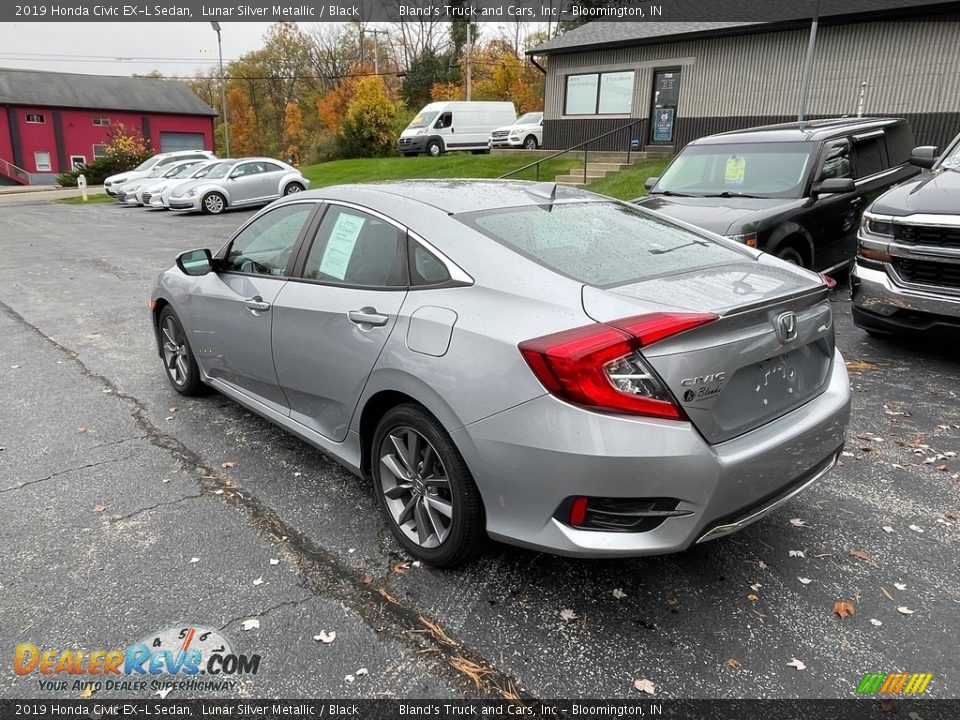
82,184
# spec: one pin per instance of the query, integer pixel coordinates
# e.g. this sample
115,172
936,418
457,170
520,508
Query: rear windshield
600,243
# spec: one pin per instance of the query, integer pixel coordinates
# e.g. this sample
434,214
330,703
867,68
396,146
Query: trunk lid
770,351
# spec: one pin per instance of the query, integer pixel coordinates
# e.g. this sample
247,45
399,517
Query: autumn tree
368,128
293,132
244,138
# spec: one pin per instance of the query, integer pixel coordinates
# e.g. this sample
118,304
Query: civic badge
786,326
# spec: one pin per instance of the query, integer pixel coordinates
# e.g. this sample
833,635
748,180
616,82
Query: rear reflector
578,511
600,366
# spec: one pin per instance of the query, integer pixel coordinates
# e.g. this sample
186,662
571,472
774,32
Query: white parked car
131,192
161,199
113,181
526,133
238,183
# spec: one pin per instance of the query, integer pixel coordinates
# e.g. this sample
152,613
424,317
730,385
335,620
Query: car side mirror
925,156
195,262
651,181
833,186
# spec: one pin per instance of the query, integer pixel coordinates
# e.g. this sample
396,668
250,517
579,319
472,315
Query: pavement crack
118,442
140,511
267,611
61,472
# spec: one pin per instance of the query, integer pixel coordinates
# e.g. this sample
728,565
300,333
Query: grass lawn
91,198
456,165
628,184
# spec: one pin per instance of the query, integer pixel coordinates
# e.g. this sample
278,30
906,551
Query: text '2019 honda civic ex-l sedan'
536,364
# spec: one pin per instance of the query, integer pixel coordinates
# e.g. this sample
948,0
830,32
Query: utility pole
376,48
223,92
808,65
469,59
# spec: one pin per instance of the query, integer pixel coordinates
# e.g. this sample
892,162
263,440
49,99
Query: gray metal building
683,80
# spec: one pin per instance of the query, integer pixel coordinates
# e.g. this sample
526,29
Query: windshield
182,171
530,119
147,164
422,119
217,171
202,171
951,160
157,172
753,169
602,243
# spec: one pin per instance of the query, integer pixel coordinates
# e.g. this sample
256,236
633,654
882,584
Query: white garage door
171,141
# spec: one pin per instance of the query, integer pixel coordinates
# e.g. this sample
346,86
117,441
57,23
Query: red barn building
50,122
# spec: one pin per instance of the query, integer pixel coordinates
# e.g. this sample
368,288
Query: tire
434,149
293,188
213,203
530,142
178,361
791,255
442,495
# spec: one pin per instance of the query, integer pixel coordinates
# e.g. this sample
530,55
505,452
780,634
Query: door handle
257,304
856,201
368,316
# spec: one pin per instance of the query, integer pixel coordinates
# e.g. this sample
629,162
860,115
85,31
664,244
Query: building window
76,161
101,121
100,151
42,158
35,119
599,93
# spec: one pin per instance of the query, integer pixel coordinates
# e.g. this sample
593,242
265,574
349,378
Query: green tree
367,129
425,70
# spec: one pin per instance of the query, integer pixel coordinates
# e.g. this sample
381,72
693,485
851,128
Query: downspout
538,66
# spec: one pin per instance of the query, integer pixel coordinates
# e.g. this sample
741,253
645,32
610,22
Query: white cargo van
444,126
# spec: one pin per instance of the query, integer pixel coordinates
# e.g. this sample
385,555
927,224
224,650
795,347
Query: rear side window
900,143
600,243
869,156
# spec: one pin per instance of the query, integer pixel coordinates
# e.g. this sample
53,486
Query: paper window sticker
736,169
340,245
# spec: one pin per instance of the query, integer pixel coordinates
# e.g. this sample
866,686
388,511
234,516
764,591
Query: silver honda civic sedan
519,361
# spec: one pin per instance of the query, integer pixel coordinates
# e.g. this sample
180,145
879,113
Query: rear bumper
881,305
530,459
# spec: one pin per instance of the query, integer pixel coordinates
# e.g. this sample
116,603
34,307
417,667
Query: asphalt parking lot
126,509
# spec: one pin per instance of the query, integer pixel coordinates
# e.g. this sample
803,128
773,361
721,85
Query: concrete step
607,166
570,183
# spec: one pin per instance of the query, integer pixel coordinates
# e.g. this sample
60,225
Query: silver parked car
536,364
111,183
162,198
132,192
238,183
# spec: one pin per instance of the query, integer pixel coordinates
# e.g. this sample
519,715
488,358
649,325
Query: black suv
794,190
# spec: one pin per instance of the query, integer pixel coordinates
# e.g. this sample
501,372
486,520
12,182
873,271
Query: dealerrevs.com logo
182,652
894,683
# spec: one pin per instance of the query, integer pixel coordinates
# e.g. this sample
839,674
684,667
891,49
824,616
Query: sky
123,48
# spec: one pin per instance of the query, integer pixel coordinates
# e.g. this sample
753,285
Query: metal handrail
12,171
537,163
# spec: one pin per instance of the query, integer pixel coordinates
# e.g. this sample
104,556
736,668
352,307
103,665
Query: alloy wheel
415,487
292,188
213,203
175,352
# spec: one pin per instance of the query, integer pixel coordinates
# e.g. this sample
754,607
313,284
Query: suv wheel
530,143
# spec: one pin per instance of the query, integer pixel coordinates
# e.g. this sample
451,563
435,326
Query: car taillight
600,366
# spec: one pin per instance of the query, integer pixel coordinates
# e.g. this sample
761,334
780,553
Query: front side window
836,161
751,169
263,247
602,243
951,158
599,93
445,121
354,248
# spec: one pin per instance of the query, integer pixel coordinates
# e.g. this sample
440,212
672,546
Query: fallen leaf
886,594
752,598
349,678
860,365
274,561
228,464
951,515
673,601
805,581
251,624
367,578
797,522
798,664
797,553
859,555
171,409
87,691
761,564
194,559
900,586
843,609
326,637
568,615
99,508
416,563
916,528
904,610
756,587
943,468
874,621
165,481
644,686
163,693
619,594
401,567
887,528
258,581
362,671
733,663
81,430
